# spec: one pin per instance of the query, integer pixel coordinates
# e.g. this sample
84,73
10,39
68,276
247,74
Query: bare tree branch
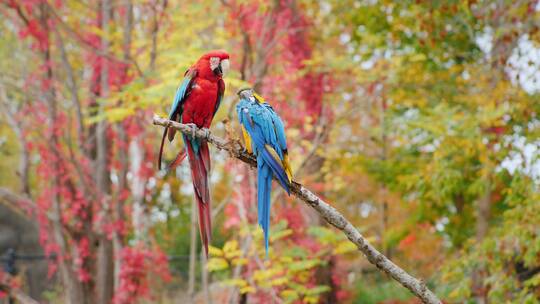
18,202
157,17
329,213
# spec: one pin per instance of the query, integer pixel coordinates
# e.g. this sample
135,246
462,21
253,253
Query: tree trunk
73,292
192,250
384,190
482,224
140,216
73,287
118,241
104,275
104,265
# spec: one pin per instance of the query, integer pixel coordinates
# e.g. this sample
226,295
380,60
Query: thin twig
329,213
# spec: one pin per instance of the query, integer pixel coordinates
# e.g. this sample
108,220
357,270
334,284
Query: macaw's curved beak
222,68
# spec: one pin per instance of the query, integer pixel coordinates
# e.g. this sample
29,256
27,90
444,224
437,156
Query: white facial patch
225,65
214,63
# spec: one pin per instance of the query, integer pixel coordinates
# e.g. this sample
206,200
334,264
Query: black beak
218,71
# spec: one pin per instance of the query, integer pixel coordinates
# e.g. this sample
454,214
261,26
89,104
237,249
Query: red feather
199,175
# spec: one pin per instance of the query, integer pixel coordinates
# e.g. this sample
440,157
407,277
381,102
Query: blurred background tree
418,119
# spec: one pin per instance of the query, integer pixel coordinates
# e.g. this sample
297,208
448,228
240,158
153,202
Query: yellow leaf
230,246
280,234
417,57
454,294
247,289
286,259
279,281
233,254
239,261
236,282
344,247
289,294
118,114
214,251
261,275
217,264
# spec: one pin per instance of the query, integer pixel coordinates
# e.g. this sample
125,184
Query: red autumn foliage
288,43
407,241
69,199
138,265
8,283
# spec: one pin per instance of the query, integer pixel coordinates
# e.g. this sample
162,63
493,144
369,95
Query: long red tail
199,161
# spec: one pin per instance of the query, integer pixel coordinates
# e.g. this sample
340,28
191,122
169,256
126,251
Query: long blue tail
264,188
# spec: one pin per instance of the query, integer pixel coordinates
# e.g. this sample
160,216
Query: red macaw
196,102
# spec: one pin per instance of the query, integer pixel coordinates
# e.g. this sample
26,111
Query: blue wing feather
181,94
280,130
177,107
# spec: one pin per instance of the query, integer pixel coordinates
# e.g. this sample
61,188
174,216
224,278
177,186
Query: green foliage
439,117
336,241
508,255
374,292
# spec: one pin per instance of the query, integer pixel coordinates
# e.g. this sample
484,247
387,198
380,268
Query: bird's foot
206,132
243,150
194,128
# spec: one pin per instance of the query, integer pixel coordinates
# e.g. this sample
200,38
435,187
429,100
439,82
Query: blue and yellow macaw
264,136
